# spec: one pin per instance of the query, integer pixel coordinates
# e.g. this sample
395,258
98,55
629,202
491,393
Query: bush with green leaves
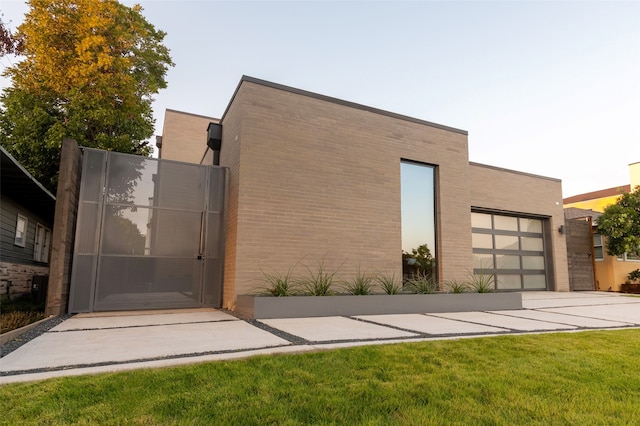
634,276
482,282
360,285
388,283
279,284
620,223
421,284
320,281
456,286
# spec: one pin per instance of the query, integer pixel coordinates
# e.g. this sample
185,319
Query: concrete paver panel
430,324
116,321
579,300
57,349
325,329
563,319
628,313
504,321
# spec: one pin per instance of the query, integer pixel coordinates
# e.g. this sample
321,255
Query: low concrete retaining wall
346,305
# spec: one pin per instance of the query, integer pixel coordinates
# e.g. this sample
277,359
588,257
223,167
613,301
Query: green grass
586,378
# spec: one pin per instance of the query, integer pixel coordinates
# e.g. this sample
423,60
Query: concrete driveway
95,343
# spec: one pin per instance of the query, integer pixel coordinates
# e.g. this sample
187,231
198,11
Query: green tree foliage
419,262
89,71
620,223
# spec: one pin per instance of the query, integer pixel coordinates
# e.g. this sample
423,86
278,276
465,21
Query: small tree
88,71
620,223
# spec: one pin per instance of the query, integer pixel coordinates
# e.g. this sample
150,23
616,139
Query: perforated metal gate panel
150,234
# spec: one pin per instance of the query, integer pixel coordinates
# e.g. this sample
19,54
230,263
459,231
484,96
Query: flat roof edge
339,102
502,169
190,113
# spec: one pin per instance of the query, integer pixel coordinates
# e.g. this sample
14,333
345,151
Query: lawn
582,378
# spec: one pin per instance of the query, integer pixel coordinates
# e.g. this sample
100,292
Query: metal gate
150,234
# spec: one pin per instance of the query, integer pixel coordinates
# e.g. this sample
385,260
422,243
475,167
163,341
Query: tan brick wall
318,180
230,157
184,137
506,190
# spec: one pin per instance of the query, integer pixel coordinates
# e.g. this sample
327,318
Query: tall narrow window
418,219
21,231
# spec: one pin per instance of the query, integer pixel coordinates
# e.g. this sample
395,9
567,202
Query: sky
544,87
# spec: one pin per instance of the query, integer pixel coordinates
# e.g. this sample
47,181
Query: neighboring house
610,271
305,180
26,210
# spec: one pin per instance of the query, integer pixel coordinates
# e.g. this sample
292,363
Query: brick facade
510,191
315,179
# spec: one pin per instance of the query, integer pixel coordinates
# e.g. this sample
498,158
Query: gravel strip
45,326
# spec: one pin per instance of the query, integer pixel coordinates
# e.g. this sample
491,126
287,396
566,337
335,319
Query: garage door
512,248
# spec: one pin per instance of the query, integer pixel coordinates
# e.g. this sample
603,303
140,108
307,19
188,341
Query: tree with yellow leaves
89,71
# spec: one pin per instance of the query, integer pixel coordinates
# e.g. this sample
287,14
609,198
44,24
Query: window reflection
418,219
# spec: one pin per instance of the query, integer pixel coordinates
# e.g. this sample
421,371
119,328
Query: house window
42,244
418,219
628,257
598,249
21,231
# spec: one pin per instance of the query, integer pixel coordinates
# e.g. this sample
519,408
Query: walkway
88,344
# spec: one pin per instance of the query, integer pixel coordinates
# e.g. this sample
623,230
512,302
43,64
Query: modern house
288,180
313,177
26,219
610,271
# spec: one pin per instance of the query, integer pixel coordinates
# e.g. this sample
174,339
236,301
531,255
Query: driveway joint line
134,361
138,326
547,311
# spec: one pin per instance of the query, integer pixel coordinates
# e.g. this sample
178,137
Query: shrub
482,283
388,283
456,286
634,276
360,285
421,284
19,311
280,285
319,282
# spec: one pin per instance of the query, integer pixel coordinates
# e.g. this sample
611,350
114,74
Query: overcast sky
550,88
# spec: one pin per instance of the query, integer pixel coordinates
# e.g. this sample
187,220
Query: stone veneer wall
20,276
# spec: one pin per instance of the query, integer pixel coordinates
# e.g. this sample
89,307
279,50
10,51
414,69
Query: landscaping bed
19,311
262,307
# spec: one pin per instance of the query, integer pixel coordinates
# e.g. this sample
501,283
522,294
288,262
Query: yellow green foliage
89,70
